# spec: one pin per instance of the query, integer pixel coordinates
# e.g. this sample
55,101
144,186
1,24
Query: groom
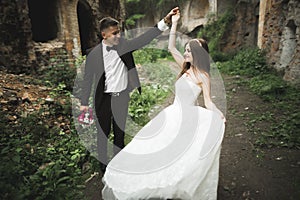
111,69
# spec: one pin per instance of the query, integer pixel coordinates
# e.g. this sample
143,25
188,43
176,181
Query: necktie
108,48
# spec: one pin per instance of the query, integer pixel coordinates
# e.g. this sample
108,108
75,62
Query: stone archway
85,22
43,17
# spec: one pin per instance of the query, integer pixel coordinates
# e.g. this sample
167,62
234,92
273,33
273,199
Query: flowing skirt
175,156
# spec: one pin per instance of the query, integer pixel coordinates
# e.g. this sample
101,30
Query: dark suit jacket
94,68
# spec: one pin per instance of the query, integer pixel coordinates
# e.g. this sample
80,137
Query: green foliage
252,64
79,60
286,133
59,72
130,21
160,73
40,162
249,62
140,105
135,10
214,32
283,131
149,55
41,157
160,80
268,86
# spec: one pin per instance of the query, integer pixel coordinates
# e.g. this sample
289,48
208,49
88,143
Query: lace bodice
186,91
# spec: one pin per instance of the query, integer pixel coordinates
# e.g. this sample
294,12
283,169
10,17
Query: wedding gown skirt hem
175,156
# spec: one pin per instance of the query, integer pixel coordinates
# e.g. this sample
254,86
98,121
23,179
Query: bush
149,55
268,86
160,80
140,105
214,32
249,62
41,157
39,162
59,72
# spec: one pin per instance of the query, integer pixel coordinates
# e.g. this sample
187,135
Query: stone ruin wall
279,31
243,31
33,31
272,25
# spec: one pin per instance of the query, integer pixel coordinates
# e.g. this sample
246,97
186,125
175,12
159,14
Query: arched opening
288,44
195,31
85,25
43,16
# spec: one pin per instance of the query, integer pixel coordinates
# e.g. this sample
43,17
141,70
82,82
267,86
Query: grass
281,98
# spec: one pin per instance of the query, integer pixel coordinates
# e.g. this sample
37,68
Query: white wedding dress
175,156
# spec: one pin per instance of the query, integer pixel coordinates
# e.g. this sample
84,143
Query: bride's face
188,54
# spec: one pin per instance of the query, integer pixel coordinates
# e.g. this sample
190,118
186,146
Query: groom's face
111,35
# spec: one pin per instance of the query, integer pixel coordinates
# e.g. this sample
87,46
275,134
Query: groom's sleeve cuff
161,25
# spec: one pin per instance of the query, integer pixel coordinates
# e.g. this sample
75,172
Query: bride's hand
176,17
224,119
170,15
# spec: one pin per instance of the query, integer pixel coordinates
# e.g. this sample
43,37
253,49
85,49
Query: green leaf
16,158
62,179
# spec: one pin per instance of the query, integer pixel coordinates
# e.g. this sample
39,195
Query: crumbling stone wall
195,13
31,32
15,32
223,6
34,31
243,30
279,35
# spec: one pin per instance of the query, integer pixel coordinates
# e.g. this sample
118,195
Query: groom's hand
84,108
168,17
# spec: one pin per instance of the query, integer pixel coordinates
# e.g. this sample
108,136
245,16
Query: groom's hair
107,22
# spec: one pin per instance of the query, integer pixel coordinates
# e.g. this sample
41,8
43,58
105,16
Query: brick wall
21,52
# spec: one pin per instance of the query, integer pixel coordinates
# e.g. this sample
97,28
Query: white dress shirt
116,77
116,74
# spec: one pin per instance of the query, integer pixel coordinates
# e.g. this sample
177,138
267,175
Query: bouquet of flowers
86,117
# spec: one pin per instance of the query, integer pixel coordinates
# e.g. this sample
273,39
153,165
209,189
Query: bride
176,155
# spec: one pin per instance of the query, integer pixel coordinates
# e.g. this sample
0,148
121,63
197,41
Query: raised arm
172,41
150,34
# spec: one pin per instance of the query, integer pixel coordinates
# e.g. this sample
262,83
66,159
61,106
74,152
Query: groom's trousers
112,112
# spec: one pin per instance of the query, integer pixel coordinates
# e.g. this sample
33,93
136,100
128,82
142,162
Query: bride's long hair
201,59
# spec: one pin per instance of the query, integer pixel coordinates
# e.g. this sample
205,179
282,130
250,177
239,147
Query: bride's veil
88,134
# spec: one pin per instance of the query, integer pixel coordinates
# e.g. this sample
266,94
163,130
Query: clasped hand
171,14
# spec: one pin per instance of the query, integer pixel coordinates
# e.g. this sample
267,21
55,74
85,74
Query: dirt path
248,172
